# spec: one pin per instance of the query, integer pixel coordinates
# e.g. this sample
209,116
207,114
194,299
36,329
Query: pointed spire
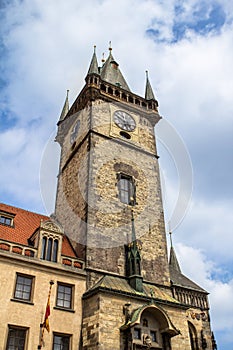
94,64
111,73
173,262
149,95
133,227
134,261
65,108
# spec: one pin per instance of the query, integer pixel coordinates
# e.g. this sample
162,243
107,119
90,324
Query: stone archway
149,327
193,336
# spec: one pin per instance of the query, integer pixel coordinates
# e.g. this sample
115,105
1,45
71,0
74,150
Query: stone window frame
49,248
58,338
153,335
7,219
137,333
24,289
146,331
62,296
16,334
126,188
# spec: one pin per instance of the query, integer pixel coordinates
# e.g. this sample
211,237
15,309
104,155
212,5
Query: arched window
49,249
55,249
126,189
44,246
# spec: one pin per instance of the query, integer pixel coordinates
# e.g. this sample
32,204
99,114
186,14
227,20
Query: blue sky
187,46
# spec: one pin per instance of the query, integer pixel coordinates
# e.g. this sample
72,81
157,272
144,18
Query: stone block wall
103,317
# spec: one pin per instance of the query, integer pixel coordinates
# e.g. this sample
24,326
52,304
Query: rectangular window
49,249
64,295
126,189
61,342
5,220
16,338
137,333
153,336
23,287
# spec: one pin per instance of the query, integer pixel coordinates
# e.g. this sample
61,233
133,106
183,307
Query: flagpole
45,324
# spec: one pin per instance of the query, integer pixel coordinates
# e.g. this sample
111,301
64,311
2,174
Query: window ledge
63,309
22,301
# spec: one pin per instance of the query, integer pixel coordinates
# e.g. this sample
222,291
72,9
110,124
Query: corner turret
93,69
149,94
65,108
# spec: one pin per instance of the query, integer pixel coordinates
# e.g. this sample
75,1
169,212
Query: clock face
124,120
74,132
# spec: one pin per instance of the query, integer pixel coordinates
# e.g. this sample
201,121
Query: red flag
46,317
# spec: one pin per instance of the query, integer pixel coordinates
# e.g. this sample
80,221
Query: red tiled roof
25,223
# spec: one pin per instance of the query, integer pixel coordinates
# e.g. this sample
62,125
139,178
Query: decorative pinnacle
103,60
170,233
94,48
67,93
147,74
133,228
110,46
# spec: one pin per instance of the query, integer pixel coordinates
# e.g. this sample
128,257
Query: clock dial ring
124,120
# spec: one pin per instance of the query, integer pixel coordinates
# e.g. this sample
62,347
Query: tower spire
111,73
149,94
93,69
173,261
65,108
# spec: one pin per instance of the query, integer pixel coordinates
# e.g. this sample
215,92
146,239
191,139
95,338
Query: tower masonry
109,205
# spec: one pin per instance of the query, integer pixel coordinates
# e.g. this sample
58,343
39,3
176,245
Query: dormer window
49,249
7,219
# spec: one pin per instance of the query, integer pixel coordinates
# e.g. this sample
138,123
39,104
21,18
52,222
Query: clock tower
109,204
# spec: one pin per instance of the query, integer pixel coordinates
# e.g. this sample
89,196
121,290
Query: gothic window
16,338
64,295
126,189
49,249
61,342
23,287
193,337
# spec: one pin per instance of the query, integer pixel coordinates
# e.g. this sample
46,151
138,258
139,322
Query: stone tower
109,204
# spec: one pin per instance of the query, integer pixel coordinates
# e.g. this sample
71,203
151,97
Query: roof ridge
22,209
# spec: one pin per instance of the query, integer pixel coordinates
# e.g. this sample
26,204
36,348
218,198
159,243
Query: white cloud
195,266
49,47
